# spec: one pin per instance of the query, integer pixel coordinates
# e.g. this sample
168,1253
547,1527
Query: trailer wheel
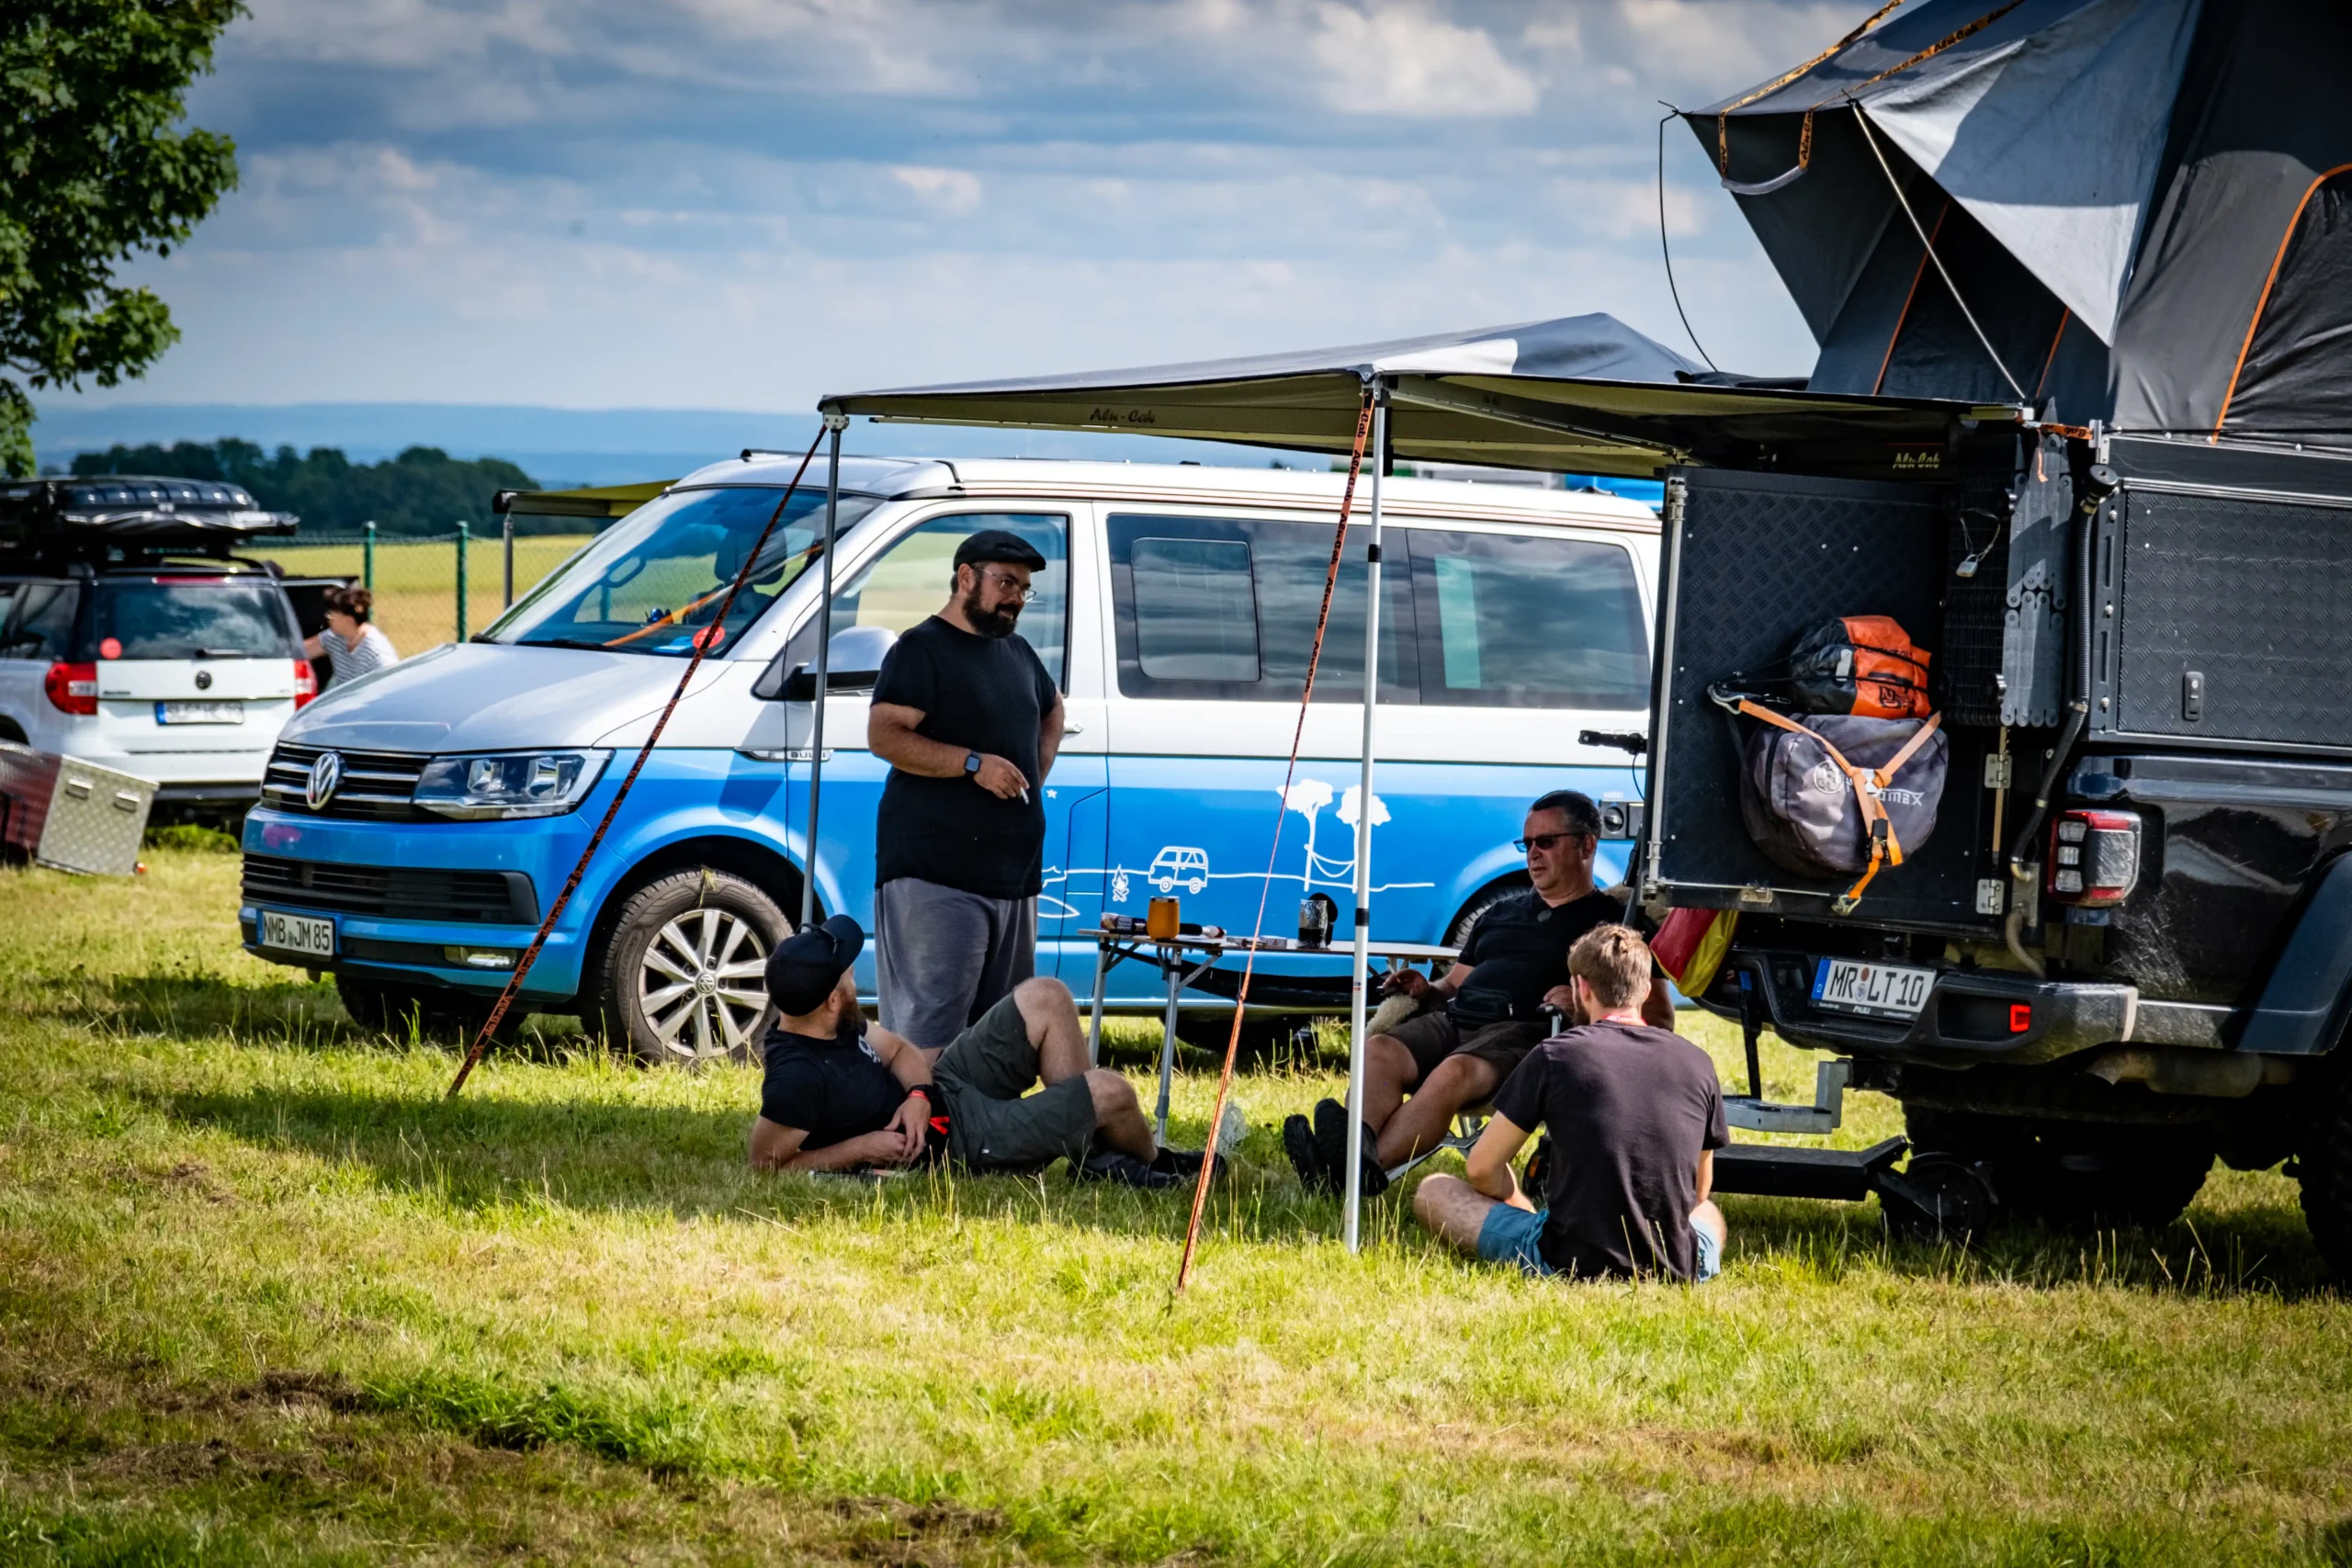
2325,1163
682,976
2078,1175
1939,1197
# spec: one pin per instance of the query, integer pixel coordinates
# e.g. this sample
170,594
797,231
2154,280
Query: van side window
908,581
1196,610
1224,608
1507,620
41,624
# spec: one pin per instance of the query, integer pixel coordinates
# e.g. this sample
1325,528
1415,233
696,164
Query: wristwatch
971,763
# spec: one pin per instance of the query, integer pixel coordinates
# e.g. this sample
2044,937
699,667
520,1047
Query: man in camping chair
1479,1022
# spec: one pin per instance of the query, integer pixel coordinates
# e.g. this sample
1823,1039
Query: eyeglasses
1012,584
1545,841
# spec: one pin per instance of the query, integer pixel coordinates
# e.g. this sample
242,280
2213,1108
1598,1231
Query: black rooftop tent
2145,204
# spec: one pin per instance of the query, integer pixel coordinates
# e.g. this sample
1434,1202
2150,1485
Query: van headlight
507,784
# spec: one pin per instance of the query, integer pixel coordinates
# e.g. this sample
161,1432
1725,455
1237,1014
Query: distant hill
422,490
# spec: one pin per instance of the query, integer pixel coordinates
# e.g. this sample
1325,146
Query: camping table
1170,956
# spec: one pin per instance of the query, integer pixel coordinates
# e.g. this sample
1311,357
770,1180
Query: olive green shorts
993,1122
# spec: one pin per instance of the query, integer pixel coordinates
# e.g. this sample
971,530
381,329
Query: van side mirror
856,663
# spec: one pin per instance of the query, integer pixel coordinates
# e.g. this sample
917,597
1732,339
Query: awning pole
1361,969
834,425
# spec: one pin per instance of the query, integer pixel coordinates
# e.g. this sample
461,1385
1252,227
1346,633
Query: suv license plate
199,712
1875,990
305,934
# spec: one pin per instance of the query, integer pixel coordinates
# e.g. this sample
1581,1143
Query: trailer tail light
2094,858
71,688
306,683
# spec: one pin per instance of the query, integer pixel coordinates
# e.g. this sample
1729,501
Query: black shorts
993,1122
1433,1035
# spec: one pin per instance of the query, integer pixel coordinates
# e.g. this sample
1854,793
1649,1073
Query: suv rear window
192,617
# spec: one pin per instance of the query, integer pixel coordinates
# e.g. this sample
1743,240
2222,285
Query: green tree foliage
423,490
96,166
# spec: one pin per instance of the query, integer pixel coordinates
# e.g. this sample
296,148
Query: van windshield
654,581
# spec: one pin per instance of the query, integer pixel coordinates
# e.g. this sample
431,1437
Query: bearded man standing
968,719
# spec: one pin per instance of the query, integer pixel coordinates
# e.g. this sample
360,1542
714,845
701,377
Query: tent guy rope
1265,888
703,642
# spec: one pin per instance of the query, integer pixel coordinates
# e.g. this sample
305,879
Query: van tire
670,921
432,1013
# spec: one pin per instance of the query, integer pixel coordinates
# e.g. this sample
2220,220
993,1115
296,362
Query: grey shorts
993,1122
943,957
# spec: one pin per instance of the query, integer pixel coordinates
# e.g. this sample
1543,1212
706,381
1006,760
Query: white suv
128,639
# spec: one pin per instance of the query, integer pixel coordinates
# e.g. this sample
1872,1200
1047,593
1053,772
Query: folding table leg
1174,972
1094,1013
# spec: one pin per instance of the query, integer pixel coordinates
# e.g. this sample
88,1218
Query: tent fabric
1583,394
2292,378
2044,118
2263,116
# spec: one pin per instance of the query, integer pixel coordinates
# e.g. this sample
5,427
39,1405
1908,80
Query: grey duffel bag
1831,795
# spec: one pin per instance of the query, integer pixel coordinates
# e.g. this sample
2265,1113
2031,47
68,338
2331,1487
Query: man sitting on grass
1635,1115
841,1095
1479,1023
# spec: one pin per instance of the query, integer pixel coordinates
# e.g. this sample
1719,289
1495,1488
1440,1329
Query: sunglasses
1547,842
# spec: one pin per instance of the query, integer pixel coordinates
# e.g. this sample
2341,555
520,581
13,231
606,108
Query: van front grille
397,893
376,785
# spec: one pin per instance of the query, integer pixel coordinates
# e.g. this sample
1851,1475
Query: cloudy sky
743,203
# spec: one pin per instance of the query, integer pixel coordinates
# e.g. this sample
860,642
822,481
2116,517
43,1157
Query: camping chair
1472,1122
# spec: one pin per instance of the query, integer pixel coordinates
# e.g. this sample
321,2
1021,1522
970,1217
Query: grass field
416,580
265,1296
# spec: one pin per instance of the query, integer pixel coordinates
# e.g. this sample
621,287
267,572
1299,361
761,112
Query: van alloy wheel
679,976
701,983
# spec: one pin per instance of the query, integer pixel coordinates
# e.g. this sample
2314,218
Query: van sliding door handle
1073,729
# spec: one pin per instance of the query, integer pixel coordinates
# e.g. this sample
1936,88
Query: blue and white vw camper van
417,823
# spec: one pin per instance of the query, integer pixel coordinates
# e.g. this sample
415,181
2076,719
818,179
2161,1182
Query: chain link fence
429,588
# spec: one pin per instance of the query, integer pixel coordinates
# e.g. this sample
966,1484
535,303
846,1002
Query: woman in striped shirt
355,647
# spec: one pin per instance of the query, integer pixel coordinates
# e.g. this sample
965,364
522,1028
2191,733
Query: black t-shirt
1629,1109
831,1090
1520,950
988,694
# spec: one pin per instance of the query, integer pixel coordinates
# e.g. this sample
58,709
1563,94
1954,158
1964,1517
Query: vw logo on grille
326,774
204,680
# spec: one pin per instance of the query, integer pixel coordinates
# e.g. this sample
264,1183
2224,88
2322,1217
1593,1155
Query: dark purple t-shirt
1629,1109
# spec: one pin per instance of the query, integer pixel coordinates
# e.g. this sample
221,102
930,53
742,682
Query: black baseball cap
807,965
1000,544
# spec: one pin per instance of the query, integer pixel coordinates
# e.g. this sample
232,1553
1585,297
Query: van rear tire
2323,1164
681,979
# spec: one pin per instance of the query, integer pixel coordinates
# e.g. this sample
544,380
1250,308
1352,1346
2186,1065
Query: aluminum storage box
72,815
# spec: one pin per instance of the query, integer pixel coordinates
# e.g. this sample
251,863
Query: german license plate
199,712
306,934
1875,990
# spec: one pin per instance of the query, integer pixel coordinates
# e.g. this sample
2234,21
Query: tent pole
1361,969
834,425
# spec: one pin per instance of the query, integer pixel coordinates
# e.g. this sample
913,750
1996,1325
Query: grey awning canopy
1582,394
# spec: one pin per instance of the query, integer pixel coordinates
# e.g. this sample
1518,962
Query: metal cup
1162,919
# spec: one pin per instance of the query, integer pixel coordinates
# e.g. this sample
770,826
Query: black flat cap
1000,544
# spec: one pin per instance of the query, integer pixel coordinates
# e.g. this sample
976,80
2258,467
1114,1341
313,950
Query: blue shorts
1509,1236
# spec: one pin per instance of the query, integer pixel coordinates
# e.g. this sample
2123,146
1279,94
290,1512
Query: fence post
461,580
506,530
367,557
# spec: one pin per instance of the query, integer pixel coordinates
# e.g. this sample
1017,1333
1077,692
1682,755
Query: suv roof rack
101,517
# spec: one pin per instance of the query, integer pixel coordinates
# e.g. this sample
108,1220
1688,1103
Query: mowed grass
265,1296
416,580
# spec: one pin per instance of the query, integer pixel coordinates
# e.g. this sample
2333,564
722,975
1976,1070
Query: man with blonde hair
1635,1115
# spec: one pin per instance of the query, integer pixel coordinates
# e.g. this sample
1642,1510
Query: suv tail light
306,683
71,688
2094,858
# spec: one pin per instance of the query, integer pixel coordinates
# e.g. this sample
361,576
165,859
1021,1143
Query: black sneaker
1298,1142
1331,1148
1116,1165
1186,1163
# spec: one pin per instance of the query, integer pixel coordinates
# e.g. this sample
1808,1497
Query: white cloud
954,191
1404,58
